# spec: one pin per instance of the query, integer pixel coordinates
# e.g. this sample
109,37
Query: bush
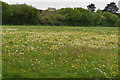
51,18
117,23
28,15
6,12
19,14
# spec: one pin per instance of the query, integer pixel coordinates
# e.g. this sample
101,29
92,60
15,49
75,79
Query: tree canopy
91,7
112,7
22,14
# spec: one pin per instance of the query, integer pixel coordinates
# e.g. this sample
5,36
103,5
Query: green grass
59,52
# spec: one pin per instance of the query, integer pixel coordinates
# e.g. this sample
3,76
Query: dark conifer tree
111,7
91,7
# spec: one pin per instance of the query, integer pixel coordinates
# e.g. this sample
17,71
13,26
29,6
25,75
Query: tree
23,14
99,11
108,19
73,18
111,7
77,16
49,17
91,7
0,13
118,23
97,19
87,17
6,12
69,13
51,9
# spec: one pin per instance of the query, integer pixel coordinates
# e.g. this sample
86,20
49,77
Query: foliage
87,18
118,23
72,16
109,19
19,14
22,14
6,12
112,7
50,17
77,16
91,7
97,19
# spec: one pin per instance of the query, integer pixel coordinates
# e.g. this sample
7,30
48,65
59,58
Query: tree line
22,14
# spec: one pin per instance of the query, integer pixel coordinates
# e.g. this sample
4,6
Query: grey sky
44,4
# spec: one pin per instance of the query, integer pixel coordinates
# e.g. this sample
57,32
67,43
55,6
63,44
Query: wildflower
22,53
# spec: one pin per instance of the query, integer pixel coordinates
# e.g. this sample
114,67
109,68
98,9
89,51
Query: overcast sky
44,4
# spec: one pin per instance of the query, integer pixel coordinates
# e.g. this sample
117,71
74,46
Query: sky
44,4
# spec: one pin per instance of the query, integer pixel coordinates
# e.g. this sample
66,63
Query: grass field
59,52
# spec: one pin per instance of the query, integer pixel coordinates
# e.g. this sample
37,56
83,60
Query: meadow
59,52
